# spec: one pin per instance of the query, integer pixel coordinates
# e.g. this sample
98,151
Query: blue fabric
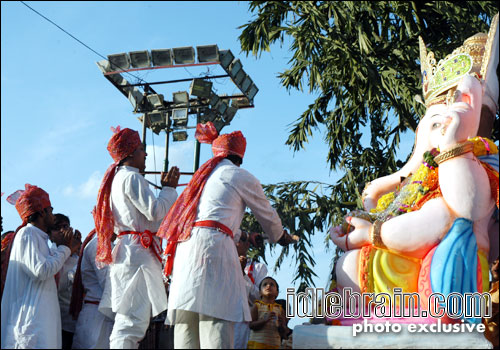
454,264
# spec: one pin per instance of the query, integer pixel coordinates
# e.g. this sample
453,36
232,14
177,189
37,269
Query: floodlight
219,124
200,88
135,97
118,79
207,53
157,121
235,67
229,114
180,116
140,59
240,102
207,115
238,78
181,97
104,66
162,57
247,81
214,99
252,91
221,107
156,100
184,55
180,136
225,58
119,61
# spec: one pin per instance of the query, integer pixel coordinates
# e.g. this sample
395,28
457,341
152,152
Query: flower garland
408,196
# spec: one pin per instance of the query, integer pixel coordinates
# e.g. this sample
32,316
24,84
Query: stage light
184,55
156,100
180,136
162,57
226,57
207,53
247,81
207,115
119,61
140,59
200,88
104,66
221,107
181,97
238,78
180,116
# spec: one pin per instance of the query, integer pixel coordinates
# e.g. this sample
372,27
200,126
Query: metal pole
144,127
167,136
197,147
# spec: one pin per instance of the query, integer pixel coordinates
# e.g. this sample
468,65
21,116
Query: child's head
269,288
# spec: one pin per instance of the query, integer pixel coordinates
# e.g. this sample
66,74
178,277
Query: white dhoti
92,329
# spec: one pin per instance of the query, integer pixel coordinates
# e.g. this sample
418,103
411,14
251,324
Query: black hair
269,278
60,218
235,159
34,217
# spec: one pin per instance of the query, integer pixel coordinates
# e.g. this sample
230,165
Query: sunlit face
269,288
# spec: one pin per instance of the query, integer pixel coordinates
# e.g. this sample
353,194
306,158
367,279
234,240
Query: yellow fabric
257,345
268,336
485,270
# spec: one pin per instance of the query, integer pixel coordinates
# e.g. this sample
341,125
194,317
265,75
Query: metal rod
167,136
161,67
159,172
159,187
179,80
196,164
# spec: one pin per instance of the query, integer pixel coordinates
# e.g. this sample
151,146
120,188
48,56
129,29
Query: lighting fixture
225,58
207,53
119,61
184,55
140,59
162,57
180,116
180,136
214,99
181,97
247,81
235,67
238,78
240,102
252,91
156,100
157,121
200,88
229,114
135,97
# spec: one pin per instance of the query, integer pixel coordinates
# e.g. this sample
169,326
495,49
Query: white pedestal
340,337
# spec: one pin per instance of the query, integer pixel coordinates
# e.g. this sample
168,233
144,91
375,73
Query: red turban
176,226
33,199
120,146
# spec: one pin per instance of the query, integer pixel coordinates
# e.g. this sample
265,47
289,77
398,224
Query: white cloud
88,189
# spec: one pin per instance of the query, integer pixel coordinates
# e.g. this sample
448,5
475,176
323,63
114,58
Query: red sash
147,241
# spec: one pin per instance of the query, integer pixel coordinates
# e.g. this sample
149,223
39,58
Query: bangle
375,234
455,151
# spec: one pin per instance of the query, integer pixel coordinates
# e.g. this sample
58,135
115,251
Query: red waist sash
172,246
147,241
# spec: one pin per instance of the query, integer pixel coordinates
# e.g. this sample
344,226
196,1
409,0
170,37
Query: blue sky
57,108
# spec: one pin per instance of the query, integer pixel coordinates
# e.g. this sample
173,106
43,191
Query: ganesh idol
428,226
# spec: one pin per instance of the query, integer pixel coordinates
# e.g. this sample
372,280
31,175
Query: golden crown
439,80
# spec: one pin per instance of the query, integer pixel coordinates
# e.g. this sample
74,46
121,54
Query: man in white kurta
208,293
30,308
135,289
93,328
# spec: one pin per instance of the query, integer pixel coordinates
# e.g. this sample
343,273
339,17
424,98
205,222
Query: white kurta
64,290
30,308
259,272
207,277
135,208
93,328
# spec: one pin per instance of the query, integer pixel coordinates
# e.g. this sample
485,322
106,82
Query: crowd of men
107,289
